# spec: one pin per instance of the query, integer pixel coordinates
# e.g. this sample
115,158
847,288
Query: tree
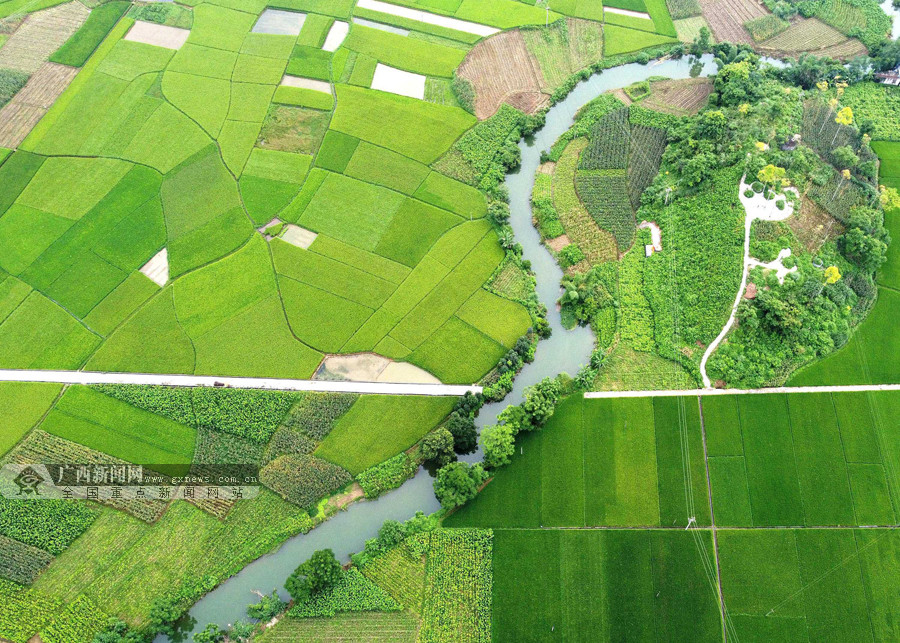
865,250
457,483
889,198
117,632
844,117
268,607
242,631
832,275
845,156
771,174
462,428
211,634
499,444
540,401
438,446
323,570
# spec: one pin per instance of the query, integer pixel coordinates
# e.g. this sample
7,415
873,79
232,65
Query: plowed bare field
726,18
679,97
40,35
22,113
501,69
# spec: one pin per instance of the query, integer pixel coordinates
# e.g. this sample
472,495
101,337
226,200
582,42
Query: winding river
565,351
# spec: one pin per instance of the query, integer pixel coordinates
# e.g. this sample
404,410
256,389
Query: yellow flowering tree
832,275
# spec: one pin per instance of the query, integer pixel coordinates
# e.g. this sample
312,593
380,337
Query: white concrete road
702,392
319,386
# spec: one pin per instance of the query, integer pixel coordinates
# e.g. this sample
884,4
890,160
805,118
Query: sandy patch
627,12
655,234
404,373
501,69
306,83
547,168
336,35
41,34
159,35
371,367
157,269
362,367
22,113
427,18
280,22
381,26
397,81
297,236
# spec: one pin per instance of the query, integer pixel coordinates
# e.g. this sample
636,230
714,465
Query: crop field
726,18
680,98
600,462
806,35
604,585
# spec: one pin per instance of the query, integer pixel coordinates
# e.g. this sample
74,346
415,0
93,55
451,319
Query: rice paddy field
802,490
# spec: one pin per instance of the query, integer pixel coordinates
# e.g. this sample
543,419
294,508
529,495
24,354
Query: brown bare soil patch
559,242
21,114
679,97
813,226
354,493
726,18
622,96
40,35
500,69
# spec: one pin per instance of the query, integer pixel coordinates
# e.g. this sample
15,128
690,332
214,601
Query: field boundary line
154,379
712,523
703,392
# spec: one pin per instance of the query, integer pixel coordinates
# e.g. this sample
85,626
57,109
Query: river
894,13
564,351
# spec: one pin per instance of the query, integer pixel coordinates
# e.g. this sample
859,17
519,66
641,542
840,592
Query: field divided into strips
786,461
635,462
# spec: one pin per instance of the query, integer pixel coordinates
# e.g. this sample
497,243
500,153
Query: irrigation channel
564,351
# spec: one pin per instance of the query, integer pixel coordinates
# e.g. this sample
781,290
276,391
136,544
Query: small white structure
297,236
336,35
627,12
158,35
428,18
306,83
397,81
157,269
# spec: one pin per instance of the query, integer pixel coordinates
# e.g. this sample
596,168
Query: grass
11,81
85,41
401,52
653,584
378,427
383,167
51,189
383,119
220,28
300,97
319,318
622,40
40,334
413,230
293,129
502,320
119,429
451,195
455,337
351,211
120,303
22,408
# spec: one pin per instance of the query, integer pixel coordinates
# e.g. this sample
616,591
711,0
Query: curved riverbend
564,351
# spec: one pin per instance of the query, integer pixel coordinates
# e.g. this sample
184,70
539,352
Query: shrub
780,204
465,436
267,608
303,479
316,413
765,27
287,441
352,592
757,187
457,483
21,563
570,255
10,83
50,525
749,193
388,475
392,533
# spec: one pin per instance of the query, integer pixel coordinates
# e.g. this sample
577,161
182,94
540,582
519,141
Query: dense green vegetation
82,44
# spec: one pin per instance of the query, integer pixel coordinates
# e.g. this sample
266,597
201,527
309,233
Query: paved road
753,391
85,377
